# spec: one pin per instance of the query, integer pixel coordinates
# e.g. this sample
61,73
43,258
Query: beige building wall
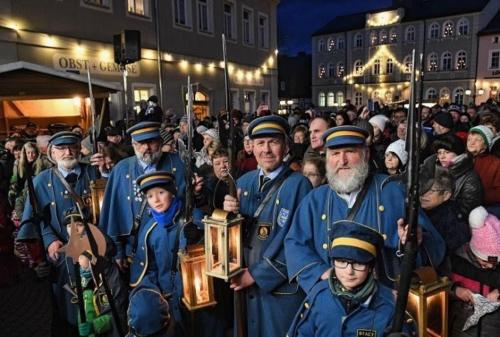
488,72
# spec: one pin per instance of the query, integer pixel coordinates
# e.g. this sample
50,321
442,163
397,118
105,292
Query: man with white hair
355,195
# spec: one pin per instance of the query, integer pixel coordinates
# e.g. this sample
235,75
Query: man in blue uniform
53,190
122,200
267,198
352,194
351,302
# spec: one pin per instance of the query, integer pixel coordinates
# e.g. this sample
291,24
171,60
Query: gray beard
350,184
68,164
148,159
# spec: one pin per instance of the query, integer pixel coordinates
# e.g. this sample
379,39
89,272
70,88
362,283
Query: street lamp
468,92
480,92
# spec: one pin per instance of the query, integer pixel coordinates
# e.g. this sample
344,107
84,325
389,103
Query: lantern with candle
197,286
223,244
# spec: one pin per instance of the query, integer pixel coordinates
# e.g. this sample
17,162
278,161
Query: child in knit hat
474,272
396,157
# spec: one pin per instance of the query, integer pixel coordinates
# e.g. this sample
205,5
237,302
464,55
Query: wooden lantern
97,188
197,286
428,303
223,244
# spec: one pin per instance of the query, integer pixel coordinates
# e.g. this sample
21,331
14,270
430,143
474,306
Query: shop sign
70,62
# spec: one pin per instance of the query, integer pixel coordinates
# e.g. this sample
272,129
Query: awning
23,80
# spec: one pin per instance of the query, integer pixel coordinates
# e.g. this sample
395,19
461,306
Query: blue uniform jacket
272,300
307,243
152,264
322,315
122,200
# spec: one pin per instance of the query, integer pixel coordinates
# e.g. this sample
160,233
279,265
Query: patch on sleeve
366,333
283,216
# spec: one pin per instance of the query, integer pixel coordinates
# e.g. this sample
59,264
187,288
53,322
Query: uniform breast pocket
287,289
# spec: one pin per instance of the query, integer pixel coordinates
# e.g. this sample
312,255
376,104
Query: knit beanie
485,242
444,119
399,149
449,142
379,121
485,132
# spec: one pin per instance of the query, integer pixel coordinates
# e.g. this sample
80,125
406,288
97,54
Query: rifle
412,205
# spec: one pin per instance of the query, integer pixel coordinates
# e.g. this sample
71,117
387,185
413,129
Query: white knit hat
485,132
379,121
399,149
212,133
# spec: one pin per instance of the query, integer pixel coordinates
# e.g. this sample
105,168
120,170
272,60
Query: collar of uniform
350,198
65,173
274,173
147,167
366,303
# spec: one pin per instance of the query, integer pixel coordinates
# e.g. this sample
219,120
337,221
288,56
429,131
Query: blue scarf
166,218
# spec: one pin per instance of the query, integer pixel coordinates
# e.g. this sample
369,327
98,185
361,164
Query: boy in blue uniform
268,197
350,302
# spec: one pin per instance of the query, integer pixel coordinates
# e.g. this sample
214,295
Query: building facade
78,34
488,71
367,56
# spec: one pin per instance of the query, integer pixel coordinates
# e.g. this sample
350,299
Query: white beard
346,185
68,164
148,159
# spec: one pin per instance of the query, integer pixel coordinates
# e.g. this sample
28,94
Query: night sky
299,19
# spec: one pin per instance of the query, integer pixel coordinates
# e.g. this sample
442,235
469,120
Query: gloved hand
192,233
102,323
85,329
42,270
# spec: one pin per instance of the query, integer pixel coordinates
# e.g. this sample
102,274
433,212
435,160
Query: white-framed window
448,29
393,35
446,61
139,7
434,31
322,71
358,68
432,62
458,96
321,45
263,30
340,98
331,70
182,13
494,60
340,69
321,99
407,64
247,26
330,99
104,5
444,95
410,34
461,60
230,20
373,38
249,101
264,97
388,97
463,27
331,44
431,94
340,43
141,92
383,36
389,66
235,98
358,98
376,67
358,40
205,16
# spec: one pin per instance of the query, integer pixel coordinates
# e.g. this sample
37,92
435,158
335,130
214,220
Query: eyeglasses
342,264
311,175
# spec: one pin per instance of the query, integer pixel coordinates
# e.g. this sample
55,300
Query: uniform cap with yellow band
355,242
163,179
268,126
345,135
65,138
144,131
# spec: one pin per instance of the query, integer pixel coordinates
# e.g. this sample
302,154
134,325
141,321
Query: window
139,7
322,71
410,34
434,31
249,101
458,96
229,21
331,44
330,100
331,70
247,23
321,99
431,94
321,45
463,27
263,31
264,97
461,60
235,98
376,67
142,91
383,37
388,97
358,98
340,98
389,66
340,43
358,40
407,64
494,60
106,4
448,29
444,95
373,38
432,62
182,13
446,61
358,68
393,36
205,18
495,39
340,69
